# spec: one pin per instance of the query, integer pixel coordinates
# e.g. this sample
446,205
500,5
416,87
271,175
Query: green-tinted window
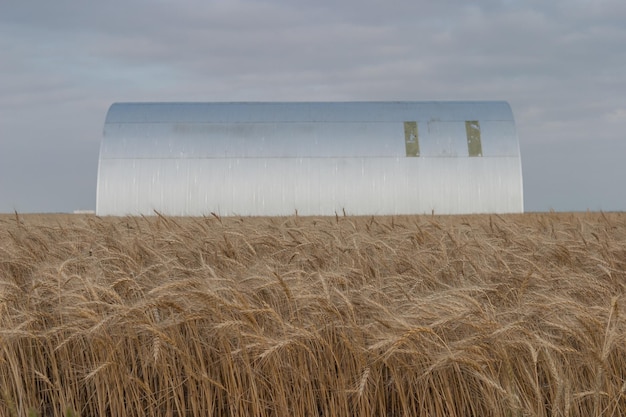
411,140
474,146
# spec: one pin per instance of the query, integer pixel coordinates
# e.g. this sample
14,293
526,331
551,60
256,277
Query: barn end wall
264,159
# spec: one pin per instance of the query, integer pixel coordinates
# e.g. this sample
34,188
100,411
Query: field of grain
518,315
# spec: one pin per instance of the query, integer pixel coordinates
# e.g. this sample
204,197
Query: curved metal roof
316,158
364,111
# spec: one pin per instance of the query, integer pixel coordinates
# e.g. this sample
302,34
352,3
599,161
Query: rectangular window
474,146
411,140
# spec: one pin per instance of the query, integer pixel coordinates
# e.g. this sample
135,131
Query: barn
310,158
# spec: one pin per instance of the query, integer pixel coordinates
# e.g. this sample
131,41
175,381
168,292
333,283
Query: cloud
616,116
65,62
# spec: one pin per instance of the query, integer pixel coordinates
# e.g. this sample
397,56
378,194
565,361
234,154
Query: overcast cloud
560,64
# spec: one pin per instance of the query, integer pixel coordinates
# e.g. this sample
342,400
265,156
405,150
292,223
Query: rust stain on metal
411,139
474,145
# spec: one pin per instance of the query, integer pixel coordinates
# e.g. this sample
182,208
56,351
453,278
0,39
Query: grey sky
560,64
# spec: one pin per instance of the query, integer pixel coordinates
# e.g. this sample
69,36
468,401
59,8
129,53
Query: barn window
474,146
411,140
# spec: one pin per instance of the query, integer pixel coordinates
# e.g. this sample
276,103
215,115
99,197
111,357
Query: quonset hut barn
267,159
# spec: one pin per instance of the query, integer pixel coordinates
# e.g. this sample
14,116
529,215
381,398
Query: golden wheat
517,315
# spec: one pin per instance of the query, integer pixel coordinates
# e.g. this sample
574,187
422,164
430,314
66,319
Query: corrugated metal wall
364,158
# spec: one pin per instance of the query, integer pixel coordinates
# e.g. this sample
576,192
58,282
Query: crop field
461,316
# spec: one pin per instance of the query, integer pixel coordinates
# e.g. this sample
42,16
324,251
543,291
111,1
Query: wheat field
516,315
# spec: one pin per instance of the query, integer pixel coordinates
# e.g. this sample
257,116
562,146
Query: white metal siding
316,158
